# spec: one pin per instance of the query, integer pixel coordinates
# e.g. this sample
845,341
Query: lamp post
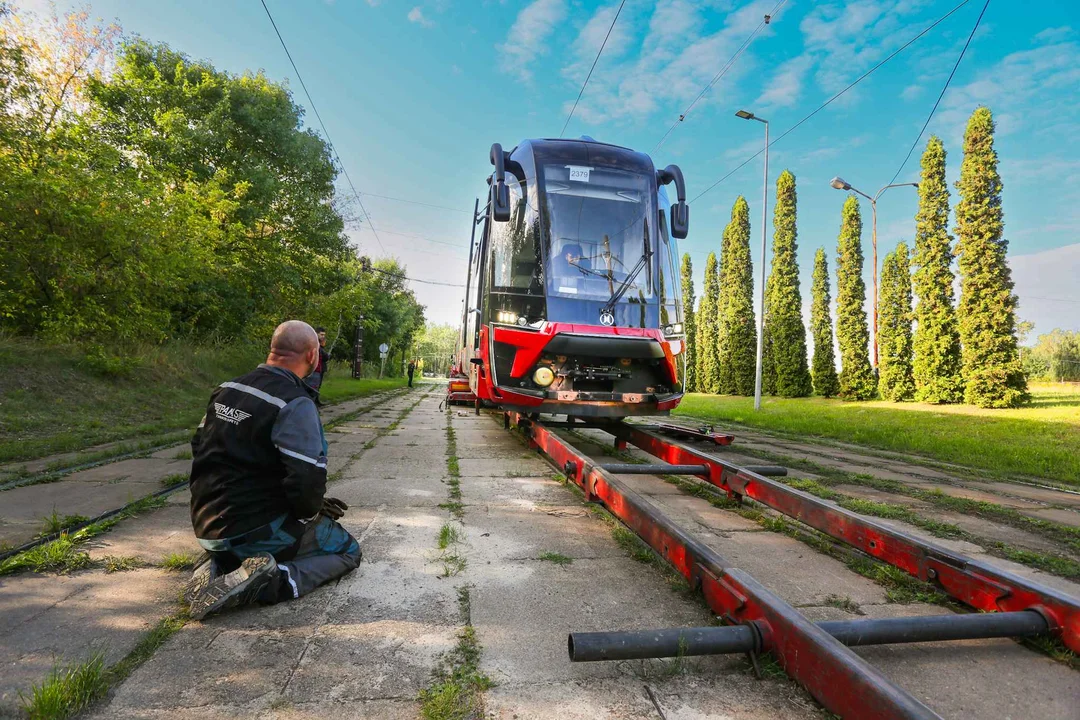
764,222
358,349
840,184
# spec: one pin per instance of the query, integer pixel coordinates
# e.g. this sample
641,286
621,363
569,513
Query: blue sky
413,94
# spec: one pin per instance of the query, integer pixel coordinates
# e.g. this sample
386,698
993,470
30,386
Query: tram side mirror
500,194
680,211
680,220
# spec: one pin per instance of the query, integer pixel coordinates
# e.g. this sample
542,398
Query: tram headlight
506,317
675,329
543,376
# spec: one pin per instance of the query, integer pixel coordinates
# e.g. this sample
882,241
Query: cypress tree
824,364
740,335
768,362
707,321
723,376
936,365
896,381
992,374
785,331
687,271
856,378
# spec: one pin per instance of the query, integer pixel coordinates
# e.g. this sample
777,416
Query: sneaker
240,587
205,571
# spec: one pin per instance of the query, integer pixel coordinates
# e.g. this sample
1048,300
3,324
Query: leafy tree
992,374
784,329
896,381
824,363
1055,357
737,318
723,377
707,319
856,377
689,325
936,343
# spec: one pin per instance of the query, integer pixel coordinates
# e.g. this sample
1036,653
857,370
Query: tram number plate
580,174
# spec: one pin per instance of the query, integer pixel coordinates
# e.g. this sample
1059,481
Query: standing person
258,486
411,370
316,377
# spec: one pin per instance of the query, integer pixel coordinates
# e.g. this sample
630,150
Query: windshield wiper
646,256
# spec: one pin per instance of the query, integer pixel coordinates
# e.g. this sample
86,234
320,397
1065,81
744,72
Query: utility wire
595,60
417,202
321,123
723,71
828,102
938,102
404,277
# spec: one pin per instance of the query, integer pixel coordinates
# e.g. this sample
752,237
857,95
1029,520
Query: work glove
333,508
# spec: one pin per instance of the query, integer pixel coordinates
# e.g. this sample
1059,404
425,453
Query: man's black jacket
258,454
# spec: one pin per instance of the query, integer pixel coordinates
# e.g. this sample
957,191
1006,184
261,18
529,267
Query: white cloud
528,36
786,86
591,38
416,15
911,92
1054,34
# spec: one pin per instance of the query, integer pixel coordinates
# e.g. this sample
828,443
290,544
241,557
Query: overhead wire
828,102
417,202
595,60
318,117
942,94
723,71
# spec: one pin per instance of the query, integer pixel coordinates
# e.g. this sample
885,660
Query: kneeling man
258,485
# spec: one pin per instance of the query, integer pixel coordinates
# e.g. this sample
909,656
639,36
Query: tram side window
513,259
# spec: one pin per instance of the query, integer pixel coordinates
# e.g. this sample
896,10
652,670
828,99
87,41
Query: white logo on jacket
230,415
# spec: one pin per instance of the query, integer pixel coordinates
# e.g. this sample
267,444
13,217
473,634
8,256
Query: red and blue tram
572,299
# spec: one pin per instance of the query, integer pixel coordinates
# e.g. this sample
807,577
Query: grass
174,479
57,399
54,523
844,603
62,555
554,557
67,689
449,535
117,563
184,454
1038,440
179,561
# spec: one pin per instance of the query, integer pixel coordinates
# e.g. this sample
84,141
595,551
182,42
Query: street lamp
745,115
840,184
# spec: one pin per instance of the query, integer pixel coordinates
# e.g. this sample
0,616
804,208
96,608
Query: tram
572,299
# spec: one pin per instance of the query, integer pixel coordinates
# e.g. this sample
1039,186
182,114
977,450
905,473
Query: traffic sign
384,348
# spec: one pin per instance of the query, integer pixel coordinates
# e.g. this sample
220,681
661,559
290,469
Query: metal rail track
816,655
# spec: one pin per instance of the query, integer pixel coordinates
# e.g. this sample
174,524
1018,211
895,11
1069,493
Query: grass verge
1038,440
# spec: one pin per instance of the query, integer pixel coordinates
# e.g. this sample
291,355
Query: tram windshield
599,225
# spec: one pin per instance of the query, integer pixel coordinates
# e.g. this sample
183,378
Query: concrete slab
730,697
517,492
499,533
793,570
604,699
67,619
1046,495
377,466
369,661
1064,517
503,467
149,537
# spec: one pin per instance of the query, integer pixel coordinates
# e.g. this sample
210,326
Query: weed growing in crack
457,683
556,558
67,689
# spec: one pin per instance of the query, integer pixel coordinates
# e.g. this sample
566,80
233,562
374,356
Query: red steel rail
838,678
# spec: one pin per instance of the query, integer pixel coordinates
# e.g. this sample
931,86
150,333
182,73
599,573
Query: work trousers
326,552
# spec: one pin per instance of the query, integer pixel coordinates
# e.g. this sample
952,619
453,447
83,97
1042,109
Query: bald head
295,347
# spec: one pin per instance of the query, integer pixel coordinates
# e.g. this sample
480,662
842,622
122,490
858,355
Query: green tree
856,377
824,364
708,360
689,325
993,377
936,343
896,381
1055,357
737,318
784,330
723,377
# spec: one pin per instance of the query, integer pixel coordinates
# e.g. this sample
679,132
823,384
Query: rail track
816,655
